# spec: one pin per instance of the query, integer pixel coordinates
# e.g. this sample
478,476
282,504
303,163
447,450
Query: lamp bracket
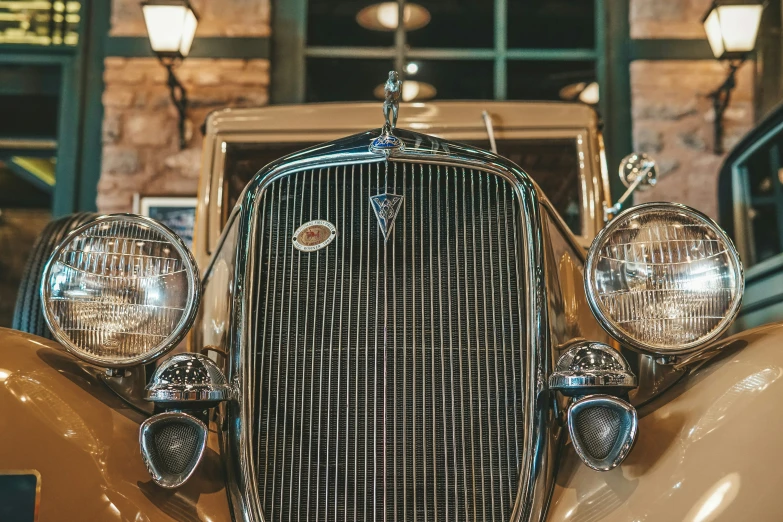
179,97
720,101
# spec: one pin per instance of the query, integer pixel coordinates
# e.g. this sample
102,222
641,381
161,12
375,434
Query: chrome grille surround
537,440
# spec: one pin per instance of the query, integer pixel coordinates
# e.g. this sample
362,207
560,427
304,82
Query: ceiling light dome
385,16
411,91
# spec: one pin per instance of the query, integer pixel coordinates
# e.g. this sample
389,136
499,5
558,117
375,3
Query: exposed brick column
672,116
140,137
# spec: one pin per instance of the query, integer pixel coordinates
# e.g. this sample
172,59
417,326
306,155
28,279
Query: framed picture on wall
176,212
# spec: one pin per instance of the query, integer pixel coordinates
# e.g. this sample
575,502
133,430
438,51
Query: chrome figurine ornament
387,142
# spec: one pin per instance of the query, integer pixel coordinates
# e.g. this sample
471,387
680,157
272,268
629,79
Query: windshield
552,162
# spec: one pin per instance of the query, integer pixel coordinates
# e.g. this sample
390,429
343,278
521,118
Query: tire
28,316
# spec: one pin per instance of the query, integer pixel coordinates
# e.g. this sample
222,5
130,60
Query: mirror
637,171
634,164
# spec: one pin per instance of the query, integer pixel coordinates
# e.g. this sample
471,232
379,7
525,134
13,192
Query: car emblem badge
314,235
386,207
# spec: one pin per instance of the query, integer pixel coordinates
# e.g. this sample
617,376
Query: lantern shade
171,27
732,28
385,16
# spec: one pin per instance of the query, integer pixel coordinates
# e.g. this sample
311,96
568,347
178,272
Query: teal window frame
611,55
80,113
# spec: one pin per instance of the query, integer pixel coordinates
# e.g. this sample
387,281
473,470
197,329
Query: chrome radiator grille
389,375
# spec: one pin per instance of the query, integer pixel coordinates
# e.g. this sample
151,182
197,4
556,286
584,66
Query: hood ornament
387,142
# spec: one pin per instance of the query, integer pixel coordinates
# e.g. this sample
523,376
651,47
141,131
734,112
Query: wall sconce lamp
732,27
171,26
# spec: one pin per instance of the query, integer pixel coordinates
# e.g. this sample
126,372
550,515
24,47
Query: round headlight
120,290
663,278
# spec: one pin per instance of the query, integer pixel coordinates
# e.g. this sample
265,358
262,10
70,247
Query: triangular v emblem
386,207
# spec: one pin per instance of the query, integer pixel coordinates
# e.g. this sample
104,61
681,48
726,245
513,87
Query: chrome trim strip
537,459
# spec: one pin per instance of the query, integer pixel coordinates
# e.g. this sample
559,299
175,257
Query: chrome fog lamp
601,424
120,290
664,279
591,367
602,429
188,379
172,444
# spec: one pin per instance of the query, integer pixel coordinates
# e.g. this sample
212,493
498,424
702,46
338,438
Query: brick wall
140,134
216,18
672,117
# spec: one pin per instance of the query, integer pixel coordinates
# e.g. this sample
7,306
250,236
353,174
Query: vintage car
393,325
750,198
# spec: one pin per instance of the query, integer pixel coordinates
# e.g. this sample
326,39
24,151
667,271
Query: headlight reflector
120,290
664,278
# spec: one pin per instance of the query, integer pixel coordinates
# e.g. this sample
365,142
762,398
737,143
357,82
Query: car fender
58,418
708,449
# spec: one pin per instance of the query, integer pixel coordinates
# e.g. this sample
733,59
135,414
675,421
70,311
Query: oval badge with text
314,235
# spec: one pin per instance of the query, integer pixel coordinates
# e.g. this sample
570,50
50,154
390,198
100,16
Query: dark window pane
345,79
18,191
456,23
458,79
242,163
554,165
29,116
759,172
29,100
540,80
334,23
545,24
766,236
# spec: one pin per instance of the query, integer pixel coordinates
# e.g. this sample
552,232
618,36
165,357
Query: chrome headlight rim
188,317
608,325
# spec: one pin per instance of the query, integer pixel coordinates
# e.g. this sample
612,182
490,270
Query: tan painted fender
708,449
58,418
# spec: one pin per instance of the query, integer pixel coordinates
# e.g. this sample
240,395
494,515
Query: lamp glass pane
712,28
665,277
119,290
165,26
189,31
739,26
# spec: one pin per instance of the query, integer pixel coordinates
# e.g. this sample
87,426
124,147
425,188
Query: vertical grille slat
388,373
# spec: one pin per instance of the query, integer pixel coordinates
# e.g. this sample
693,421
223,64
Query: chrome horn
602,425
185,386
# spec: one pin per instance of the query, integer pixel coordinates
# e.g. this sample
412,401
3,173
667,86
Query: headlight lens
120,290
664,278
